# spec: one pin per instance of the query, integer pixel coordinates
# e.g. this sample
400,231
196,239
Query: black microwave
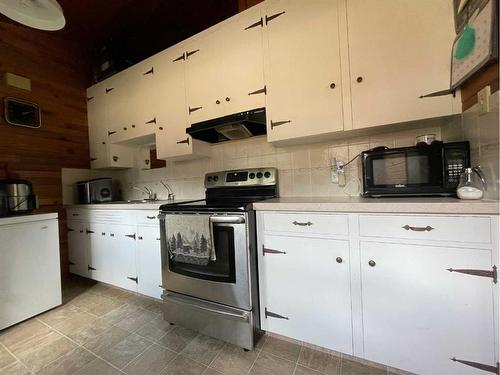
412,171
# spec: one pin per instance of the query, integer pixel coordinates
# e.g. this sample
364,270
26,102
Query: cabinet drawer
306,223
436,228
147,217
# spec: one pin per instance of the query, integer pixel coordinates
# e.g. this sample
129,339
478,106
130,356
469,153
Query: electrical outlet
337,171
483,100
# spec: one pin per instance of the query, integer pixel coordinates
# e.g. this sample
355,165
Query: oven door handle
227,219
243,316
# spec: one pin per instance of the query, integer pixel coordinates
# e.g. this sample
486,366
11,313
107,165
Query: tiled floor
104,330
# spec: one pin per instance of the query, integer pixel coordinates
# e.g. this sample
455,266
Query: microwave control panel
456,159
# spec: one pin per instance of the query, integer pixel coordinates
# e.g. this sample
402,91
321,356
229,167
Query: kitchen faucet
171,195
146,190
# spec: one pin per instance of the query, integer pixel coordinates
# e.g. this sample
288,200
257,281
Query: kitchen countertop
126,206
421,205
27,218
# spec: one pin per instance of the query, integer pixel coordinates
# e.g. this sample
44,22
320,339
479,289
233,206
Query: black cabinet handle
90,98
359,79
191,110
217,101
109,89
372,263
90,268
186,141
151,217
339,260
70,230
418,229
150,71
308,224
271,251
71,263
130,236
115,158
228,99
332,85
270,18
279,123
139,238
191,53
152,121
111,133
133,279
93,159
258,23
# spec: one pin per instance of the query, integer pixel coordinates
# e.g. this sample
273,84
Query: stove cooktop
232,191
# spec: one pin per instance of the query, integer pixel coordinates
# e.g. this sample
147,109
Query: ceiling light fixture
39,14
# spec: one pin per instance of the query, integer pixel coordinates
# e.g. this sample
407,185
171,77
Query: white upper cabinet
303,71
399,51
170,110
223,66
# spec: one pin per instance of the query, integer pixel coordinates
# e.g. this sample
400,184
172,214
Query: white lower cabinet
114,247
410,297
77,248
149,261
417,315
305,290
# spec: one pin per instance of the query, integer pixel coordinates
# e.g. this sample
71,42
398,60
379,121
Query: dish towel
189,239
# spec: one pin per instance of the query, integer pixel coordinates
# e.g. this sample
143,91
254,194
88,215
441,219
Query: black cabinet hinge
191,110
109,89
482,273
89,231
439,93
191,53
135,279
130,236
274,315
480,366
270,18
258,23
260,91
279,123
91,268
182,57
150,71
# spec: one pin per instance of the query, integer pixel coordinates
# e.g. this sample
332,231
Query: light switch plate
483,99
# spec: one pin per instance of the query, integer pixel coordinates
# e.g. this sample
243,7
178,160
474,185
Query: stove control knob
251,176
259,175
209,178
216,178
267,174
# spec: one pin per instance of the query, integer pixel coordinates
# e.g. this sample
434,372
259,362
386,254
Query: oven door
224,280
404,171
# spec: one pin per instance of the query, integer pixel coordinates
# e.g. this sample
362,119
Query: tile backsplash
306,170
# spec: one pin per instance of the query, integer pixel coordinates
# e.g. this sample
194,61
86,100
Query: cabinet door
116,90
123,261
417,315
142,78
149,261
302,281
121,156
303,73
171,110
77,248
204,77
241,62
100,257
398,51
96,117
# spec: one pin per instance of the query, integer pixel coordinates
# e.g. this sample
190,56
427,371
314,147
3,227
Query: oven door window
406,169
222,269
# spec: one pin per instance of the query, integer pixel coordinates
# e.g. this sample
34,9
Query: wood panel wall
58,76
245,4
485,77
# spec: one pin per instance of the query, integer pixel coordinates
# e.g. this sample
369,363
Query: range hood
237,126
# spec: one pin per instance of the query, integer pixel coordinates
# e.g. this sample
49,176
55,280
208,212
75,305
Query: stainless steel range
209,256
